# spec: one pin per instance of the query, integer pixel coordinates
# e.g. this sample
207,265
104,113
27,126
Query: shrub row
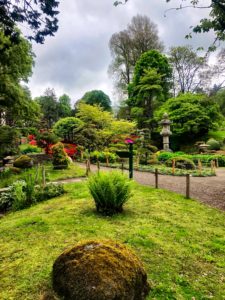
205,158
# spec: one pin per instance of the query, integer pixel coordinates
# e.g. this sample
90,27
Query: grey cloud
77,58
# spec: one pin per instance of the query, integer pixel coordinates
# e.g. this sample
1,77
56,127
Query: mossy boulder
100,270
23,162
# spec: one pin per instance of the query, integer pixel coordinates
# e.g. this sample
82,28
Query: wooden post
199,167
87,167
188,186
217,163
98,166
156,178
173,166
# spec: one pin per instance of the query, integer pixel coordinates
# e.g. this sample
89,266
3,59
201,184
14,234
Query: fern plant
110,191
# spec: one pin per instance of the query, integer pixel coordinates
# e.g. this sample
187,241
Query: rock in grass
100,270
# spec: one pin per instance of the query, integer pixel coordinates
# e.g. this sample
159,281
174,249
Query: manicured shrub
110,191
24,149
181,163
23,162
100,270
164,156
49,191
103,156
213,144
152,148
60,158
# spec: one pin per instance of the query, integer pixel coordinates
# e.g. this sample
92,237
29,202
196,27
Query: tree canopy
192,116
215,20
39,15
16,61
127,46
188,69
97,97
68,127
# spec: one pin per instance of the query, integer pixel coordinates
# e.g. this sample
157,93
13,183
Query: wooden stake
199,167
156,178
188,186
98,166
173,166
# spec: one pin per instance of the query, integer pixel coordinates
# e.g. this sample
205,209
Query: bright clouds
76,60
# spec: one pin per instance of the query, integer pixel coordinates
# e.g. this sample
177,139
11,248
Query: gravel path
209,190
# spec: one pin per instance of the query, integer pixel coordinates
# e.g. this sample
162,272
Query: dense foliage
66,128
39,15
9,141
192,116
110,191
97,97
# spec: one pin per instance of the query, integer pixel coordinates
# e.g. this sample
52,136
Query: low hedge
204,158
181,163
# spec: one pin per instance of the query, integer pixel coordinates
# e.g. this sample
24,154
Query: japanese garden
113,196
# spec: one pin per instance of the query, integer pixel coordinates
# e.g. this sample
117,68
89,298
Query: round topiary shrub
213,144
100,270
23,162
181,163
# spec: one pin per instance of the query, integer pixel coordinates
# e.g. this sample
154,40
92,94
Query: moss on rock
23,162
100,270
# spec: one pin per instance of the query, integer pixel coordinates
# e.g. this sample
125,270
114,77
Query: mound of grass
181,242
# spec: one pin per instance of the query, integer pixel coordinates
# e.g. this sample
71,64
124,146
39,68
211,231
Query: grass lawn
51,175
180,241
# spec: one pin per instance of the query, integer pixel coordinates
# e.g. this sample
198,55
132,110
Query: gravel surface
209,190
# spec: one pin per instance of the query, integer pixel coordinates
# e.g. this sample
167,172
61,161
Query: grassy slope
181,242
51,175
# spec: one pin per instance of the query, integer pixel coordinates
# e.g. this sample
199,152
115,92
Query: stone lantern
165,133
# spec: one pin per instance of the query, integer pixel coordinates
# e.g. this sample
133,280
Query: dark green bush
6,201
23,162
49,191
181,163
110,191
152,148
9,141
213,144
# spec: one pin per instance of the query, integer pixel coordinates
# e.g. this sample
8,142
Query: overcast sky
76,60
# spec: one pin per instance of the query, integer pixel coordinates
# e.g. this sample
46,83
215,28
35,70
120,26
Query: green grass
73,171
180,241
217,135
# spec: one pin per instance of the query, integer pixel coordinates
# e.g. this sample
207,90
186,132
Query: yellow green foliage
100,270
